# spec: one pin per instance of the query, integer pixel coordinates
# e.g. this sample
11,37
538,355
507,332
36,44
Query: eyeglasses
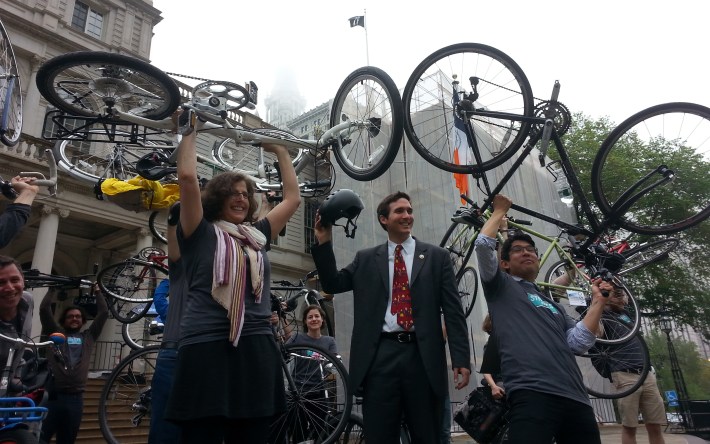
520,249
240,194
73,316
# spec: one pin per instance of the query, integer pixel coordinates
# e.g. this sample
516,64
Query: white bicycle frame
247,137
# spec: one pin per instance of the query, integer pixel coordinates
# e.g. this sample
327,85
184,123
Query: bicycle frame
628,198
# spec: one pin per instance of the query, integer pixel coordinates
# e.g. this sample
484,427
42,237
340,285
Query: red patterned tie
401,300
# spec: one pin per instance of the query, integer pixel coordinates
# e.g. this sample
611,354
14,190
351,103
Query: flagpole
367,45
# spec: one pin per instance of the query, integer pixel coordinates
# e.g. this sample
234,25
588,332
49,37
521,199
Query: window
55,124
87,20
309,218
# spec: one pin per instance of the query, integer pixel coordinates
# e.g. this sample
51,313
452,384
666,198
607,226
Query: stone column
32,122
44,254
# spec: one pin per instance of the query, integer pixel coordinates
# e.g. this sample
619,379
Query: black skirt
216,379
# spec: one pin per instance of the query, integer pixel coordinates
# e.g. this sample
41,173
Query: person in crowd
228,381
537,341
169,302
625,372
16,307
397,353
17,213
307,375
490,365
70,370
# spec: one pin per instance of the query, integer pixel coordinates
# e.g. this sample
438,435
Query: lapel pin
421,256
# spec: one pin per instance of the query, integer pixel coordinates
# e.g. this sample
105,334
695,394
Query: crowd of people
219,376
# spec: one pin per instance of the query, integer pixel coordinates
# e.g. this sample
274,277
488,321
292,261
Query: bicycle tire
130,284
101,159
329,397
577,312
607,356
429,113
458,241
353,433
369,97
125,396
147,340
468,289
647,253
10,92
155,220
676,135
72,82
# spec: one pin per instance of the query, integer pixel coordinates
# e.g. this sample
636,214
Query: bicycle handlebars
41,181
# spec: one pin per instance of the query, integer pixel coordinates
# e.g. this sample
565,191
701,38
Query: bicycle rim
458,241
131,285
647,253
138,335
428,100
90,161
10,92
576,296
598,365
85,83
125,399
370,101
318,401
676,135
468,289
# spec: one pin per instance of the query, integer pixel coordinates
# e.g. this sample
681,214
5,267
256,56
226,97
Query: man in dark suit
397,354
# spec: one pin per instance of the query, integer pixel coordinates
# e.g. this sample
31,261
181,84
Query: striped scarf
229,272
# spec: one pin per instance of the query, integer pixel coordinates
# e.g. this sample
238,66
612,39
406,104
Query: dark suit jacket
433,290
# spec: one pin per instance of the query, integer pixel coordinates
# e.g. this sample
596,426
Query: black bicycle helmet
343,203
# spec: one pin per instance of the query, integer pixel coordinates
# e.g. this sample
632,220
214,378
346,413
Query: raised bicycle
10,92
476,124
366,117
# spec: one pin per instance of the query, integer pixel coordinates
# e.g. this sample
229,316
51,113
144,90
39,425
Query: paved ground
611,434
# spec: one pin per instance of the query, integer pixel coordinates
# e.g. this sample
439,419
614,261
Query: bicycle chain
188,77
508,89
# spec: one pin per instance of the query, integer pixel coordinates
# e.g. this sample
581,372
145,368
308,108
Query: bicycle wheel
647,253
91,161
17,436
575,296
10,92
85,83
130,285
370,101
124,407
318,401
468,289
138,335
676,135
600,366
156,222
458,241
353,432
429,102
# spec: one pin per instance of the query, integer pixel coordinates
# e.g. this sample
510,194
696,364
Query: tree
696,371
679,285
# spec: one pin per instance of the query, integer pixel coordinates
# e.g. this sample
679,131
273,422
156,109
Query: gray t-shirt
204,320
532,333
309,371
177,301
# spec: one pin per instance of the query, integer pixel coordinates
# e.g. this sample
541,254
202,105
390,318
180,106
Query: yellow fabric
139,194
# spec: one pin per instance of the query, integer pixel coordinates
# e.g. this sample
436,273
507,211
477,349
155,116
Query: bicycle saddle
151,166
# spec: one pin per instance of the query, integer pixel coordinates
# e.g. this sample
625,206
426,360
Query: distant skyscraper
284,102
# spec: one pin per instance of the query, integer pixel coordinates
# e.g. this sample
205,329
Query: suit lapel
382,265
418,260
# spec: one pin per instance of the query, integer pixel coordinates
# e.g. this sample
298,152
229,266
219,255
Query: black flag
358,20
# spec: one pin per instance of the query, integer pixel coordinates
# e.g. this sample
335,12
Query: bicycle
288,295
574,296
17,412
366,118
10,92
129,285
498,116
